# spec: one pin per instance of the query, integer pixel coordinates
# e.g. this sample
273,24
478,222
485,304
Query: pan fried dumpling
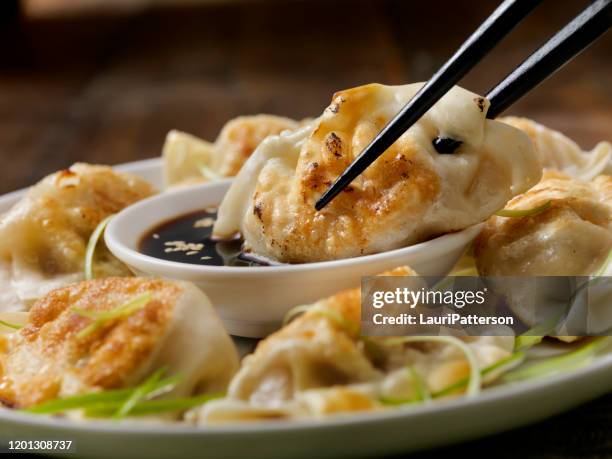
572,238
175,328
318,366
44,236
186,159
410,194
560,153
189,160
241,136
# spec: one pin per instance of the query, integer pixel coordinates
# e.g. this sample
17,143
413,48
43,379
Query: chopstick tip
322,201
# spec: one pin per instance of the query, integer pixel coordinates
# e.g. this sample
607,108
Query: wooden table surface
107,88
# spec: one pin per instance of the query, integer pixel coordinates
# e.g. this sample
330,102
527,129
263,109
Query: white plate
398,431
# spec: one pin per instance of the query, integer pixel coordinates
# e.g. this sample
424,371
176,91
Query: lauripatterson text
447,319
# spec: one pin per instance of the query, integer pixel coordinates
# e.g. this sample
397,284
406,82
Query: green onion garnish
604,267
91,247
569,361
419,385
467,272
524,342
507,362
79,401
102,318
148,407
474,382
139,394
101,398
536,334
524,213
419,388
10,325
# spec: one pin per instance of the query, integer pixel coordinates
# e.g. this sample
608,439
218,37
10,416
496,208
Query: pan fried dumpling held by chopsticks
571,238
189,160
560,153
114,333
43,238
408,195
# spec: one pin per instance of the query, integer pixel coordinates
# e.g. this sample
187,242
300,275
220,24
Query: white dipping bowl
252,301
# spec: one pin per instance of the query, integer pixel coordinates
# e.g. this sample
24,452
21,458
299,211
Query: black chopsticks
566,44
583,30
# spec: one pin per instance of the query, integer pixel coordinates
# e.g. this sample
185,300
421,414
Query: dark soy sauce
187,239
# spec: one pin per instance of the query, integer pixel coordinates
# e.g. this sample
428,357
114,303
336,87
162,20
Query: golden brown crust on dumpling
46,356
189,160
409,194
572,237
240,136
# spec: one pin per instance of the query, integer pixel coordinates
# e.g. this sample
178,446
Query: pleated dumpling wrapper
558,152
155,324
318,366
43,238
570,238
189,160
410,194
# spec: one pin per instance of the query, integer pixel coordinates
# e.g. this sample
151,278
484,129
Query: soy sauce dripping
188,239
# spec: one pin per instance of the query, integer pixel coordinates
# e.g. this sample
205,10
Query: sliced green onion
474,382
11,325
348,325
516,213
524,342
148,407
501,364
569,361
604,267
419,388
392,401
105,397
536,334
79,401
139,393
91,247
102,318
473,272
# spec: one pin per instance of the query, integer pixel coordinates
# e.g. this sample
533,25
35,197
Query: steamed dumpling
572,238
558,152
410,194
177,329
318,366
189,160
44,236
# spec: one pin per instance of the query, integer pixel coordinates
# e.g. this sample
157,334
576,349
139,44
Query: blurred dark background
104,80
